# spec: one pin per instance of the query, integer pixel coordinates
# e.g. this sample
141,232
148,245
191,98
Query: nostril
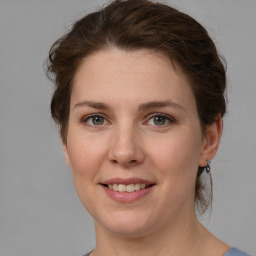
114,161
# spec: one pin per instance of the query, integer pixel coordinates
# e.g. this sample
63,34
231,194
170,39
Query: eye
160,120
94,120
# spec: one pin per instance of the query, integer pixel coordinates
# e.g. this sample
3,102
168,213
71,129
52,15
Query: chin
128,224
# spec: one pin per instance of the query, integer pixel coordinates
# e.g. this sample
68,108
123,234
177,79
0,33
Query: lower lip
127,197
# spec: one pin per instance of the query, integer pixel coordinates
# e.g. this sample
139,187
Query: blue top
235,252
230,252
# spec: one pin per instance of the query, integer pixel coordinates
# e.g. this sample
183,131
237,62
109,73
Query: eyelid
169,118
85,118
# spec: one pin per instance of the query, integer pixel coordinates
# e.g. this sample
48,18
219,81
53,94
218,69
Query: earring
208,167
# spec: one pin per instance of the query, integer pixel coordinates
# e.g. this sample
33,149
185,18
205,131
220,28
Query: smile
127,188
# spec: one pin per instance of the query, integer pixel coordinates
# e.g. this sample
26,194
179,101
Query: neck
176,239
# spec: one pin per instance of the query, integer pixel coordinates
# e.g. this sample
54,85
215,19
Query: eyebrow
92,104
159,104
144,106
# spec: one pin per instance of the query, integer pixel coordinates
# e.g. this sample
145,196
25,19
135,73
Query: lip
127,181
127,197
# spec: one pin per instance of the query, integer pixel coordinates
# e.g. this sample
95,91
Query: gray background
40,213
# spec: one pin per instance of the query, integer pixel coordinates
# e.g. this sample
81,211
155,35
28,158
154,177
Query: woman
139,100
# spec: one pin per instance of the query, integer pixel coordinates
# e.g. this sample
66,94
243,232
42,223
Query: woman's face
134,141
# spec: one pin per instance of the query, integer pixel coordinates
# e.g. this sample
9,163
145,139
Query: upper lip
127,181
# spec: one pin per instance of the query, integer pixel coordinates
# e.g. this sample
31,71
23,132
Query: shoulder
235,252
230,252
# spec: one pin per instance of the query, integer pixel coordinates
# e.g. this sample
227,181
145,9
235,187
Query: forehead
130,75
114,60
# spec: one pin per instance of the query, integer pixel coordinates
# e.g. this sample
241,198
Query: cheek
86,154
86,157
177,157
176,150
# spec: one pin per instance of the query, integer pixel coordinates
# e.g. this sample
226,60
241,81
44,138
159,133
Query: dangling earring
208,167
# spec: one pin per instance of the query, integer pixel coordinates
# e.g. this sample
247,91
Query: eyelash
87,118
168,119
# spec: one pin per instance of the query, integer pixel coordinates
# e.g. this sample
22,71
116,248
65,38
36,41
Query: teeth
127,188
121,188
137,187
115,187
142,186
130,188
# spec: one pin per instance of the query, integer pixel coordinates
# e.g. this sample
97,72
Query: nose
126,149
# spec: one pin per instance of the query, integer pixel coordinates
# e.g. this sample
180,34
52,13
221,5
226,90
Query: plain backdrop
40,213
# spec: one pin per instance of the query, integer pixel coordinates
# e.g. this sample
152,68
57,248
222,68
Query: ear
66,155
211,141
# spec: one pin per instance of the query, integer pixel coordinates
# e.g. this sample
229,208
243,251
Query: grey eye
97,120
159,120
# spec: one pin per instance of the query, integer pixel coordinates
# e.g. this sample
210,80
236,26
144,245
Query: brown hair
141,24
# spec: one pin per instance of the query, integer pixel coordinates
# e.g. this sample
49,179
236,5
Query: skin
129,143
